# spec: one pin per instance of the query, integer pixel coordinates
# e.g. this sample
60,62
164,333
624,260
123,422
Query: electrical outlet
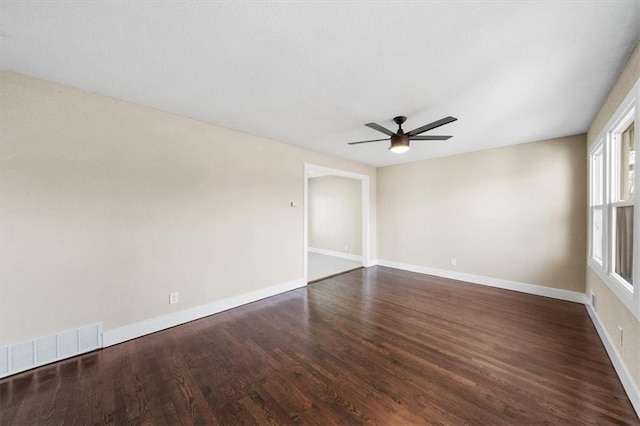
173,298
621,334
346,248
593,300
454,261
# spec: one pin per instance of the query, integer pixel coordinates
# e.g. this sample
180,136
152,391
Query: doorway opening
336,222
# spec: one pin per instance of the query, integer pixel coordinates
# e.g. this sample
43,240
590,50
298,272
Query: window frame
597,150
608,145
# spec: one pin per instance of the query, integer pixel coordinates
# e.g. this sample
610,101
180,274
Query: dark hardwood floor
375,345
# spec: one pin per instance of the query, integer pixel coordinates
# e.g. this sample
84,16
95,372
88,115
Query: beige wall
514,213
108,206
611,311
335,214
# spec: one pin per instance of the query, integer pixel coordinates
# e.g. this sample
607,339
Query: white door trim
326,171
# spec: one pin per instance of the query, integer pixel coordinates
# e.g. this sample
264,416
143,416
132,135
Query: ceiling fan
400,140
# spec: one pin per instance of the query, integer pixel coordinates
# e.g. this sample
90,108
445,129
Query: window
613,205
621,205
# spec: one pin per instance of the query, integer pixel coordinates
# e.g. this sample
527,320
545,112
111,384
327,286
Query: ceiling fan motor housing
399,142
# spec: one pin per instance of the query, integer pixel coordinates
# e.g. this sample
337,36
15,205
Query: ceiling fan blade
376,126
374,140
430,138
430,126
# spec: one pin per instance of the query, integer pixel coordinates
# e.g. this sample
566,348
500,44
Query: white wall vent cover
22,356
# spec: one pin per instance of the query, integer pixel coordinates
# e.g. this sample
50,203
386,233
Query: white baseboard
132,331
555,293
339,254
630,386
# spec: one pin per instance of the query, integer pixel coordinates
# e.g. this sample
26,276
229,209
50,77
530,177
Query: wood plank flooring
376,345
322,266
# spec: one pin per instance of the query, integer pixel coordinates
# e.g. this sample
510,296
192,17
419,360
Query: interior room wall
107,207
611,311
335,214
515,213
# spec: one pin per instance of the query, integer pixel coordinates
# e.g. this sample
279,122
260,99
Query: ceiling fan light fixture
399,144
399,149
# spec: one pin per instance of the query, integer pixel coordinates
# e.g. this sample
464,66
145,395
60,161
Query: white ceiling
313,73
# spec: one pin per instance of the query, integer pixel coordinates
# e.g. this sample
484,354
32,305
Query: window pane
596,233
627,163
624,243
597,170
